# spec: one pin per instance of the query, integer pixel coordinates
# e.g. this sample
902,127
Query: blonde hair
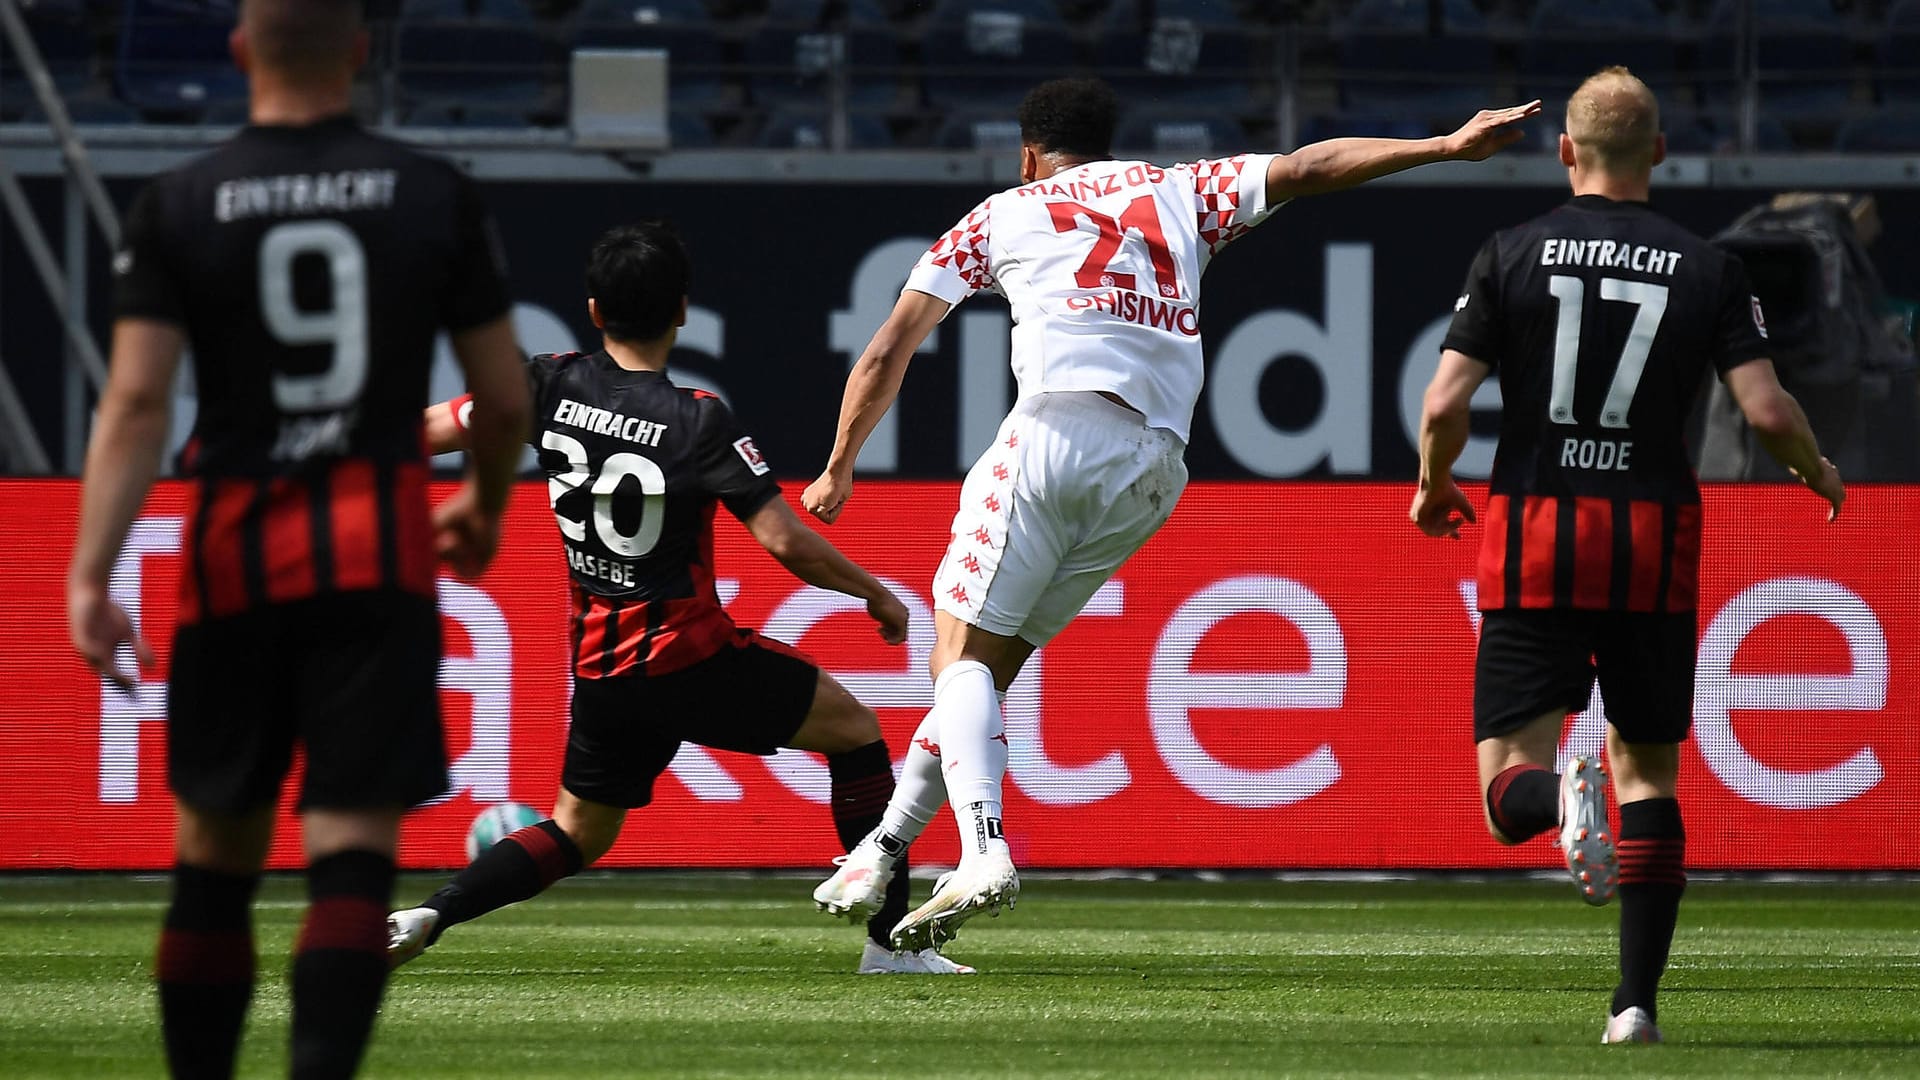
1614,121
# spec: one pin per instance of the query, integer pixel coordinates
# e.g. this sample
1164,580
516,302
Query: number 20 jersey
1601,319
636,467
1101,264
310,268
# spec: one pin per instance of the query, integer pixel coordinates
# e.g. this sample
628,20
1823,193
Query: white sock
918,795
973,754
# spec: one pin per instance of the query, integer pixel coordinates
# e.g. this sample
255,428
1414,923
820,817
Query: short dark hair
637,276
1070,116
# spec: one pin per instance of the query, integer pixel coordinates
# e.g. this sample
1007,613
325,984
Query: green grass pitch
643,975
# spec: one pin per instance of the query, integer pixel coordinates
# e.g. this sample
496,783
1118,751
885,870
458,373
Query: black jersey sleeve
1476,315
146,283
729,464
1740,329
477,289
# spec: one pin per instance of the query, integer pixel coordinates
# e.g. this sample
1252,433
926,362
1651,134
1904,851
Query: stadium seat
988,132
1568,40
1886,132
1362,125
1182,137
793,62
1804,51
1190,53
1719,133
1898,54
495,59
1382,40
990,53
696,62
173,57
90,108
812,129
59,32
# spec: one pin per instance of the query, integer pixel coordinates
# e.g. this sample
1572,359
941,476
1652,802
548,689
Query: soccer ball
495,822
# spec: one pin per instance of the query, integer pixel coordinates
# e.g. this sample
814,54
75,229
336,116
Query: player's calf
517,868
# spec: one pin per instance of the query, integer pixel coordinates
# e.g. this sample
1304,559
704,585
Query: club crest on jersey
750,454
1759,318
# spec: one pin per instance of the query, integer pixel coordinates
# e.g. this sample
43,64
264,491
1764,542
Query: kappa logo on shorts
959,594
750,454
971,563
992,502
982,536
1000,471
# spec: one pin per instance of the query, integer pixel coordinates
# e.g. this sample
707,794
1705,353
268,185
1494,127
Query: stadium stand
173,63
1382,41
1189,54
1898,54
987,54
453,57
691,38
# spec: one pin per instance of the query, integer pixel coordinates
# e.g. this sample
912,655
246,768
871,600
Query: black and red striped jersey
636,467
310,268
1601,319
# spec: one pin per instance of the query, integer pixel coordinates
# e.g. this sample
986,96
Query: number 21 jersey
1101,264
310,268
1601,319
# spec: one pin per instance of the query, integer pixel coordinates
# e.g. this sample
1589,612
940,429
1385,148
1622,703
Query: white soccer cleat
1583,831
859,887
1631,1026
408,932
879,960
987,883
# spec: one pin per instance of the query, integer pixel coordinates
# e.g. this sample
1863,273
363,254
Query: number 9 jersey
310,268
635,469
1601,319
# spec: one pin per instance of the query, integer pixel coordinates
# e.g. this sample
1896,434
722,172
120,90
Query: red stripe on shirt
220,558
593,638
1539,532
1683,591
1592,553
1644,588
189,572
356,526
1493,555
287,539
413,529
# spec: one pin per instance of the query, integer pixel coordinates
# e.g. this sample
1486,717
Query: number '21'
1096,272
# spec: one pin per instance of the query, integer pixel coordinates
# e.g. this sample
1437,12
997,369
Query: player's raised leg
205,967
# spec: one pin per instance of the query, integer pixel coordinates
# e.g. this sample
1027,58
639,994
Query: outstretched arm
813,560
871,388
1440,507
1343,163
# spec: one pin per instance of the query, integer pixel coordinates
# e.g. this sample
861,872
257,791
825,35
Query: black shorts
1533,662
352,677
751,696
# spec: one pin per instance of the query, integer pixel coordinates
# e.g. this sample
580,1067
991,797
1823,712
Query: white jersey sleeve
957,266
1229,197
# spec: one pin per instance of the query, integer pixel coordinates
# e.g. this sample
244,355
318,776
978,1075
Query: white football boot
987,883
1583,831
1631,1026
879,960
407,934
859,887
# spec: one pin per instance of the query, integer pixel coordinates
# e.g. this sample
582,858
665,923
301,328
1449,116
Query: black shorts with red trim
352,678
750,696
1532,662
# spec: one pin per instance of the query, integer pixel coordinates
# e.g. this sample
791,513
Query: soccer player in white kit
1101,262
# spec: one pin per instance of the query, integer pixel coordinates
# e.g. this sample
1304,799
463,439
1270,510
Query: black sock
862,784
1524,802
519,867
340,962
1652,850
205,969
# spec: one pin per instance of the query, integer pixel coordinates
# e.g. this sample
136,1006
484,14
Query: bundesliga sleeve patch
1759,319
750,454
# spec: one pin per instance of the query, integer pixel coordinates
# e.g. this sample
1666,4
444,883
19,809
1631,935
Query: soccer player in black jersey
637,467
308,265
1601,318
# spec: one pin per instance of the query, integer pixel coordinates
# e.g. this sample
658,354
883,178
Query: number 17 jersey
1601,319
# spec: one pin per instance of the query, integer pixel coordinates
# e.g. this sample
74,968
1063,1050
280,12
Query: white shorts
1070,489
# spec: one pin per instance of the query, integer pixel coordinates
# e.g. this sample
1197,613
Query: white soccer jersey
1102,265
